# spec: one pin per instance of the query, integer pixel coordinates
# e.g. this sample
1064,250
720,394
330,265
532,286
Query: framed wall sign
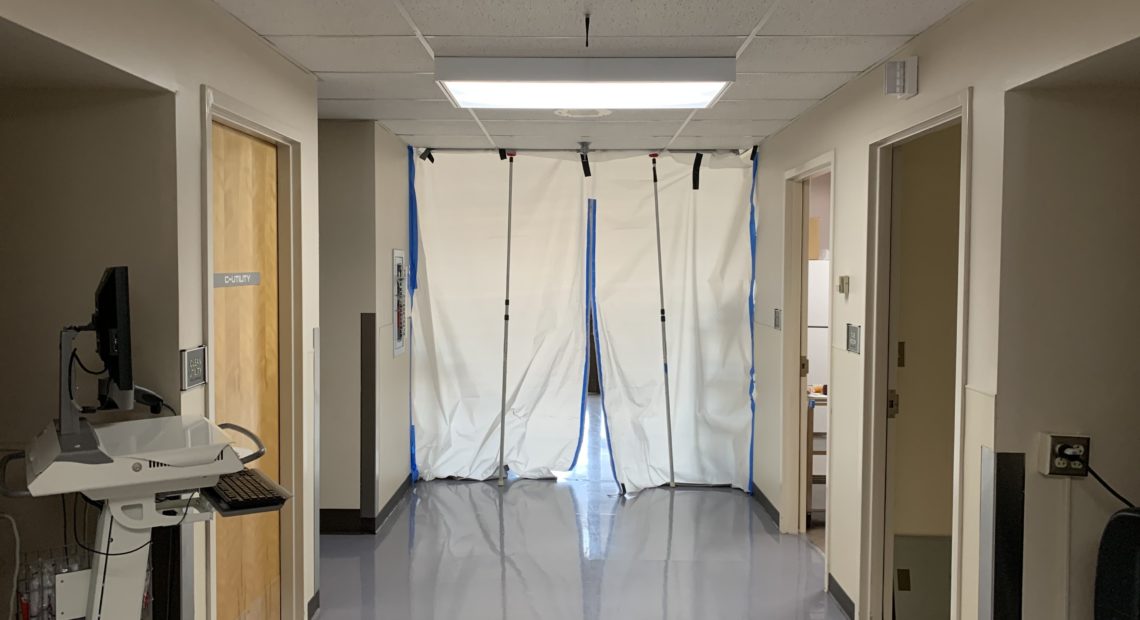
399,303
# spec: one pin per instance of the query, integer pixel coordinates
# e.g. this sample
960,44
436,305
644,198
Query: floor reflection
573,549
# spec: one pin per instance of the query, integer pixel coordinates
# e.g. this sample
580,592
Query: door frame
220,108
875,583
794,487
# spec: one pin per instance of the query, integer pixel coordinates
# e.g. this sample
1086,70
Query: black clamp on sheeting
697,170
502,153
755,147
426,155
585,163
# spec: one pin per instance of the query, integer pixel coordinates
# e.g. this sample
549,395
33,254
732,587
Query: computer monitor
112,324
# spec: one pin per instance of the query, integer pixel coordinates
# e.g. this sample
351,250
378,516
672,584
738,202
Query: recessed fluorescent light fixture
610,83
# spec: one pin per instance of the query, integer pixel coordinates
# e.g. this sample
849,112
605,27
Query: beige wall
348,288
1070,300
392,401
181,45
990,46
83,173
364,216
925,200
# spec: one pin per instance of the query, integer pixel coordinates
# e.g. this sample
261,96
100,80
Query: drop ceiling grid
370,65
554,18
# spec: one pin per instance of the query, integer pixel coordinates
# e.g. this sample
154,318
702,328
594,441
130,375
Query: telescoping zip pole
661,294
506,319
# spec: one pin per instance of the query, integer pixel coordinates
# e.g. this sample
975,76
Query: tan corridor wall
988,46
181,45
364,216
1070,300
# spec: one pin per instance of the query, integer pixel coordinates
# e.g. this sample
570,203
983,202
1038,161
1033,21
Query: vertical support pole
664,345
506,321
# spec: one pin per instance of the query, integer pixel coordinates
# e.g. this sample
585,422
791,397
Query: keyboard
243,492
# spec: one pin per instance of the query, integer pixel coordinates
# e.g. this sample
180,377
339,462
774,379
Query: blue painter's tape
413,269
752,322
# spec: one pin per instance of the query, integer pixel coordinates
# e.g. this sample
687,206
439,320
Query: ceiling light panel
611,83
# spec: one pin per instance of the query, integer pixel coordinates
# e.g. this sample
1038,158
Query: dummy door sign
246,278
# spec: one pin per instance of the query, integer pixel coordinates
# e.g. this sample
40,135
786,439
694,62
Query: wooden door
246,364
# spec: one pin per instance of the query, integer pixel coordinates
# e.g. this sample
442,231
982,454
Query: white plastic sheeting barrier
705,237
457,315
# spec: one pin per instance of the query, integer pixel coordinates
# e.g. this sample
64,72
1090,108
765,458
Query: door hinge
902,354
804,365
892,403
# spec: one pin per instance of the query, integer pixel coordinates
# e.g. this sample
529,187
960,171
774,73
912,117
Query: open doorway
922,326
815,353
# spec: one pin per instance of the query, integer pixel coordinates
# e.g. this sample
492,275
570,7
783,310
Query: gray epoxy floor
572,549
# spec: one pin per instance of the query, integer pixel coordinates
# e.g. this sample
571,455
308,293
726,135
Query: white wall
1070,301
364,216
990,46
181,45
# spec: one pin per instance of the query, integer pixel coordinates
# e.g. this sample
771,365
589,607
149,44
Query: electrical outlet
1064,455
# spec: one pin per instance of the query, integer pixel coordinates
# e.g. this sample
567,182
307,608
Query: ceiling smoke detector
584,113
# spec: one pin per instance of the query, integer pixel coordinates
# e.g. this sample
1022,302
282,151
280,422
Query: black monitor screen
112,323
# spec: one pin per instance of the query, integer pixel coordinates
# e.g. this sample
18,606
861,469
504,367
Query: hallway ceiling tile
607,17
319,53
785,85
333,85
371,65
395,109
756,109
864,17
830,53
635,47
434,128
270,17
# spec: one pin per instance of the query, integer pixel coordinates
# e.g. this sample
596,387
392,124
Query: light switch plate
777,319
193,368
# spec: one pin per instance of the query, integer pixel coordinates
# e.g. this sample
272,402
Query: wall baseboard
840,595
314,604
766,504
341,521
392,503
350,521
